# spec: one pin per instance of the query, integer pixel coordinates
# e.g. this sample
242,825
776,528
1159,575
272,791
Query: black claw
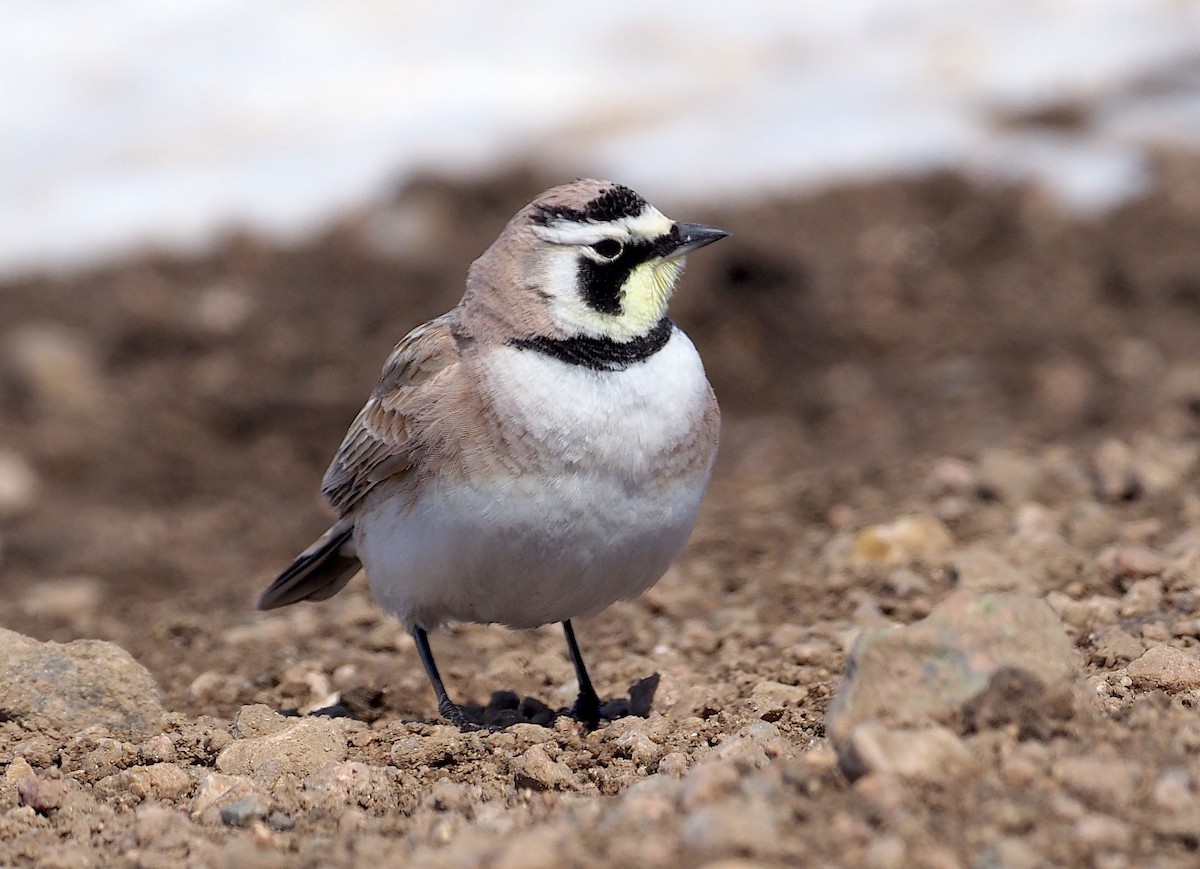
587,710
454,714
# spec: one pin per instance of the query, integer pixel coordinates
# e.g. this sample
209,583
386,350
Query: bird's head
595,259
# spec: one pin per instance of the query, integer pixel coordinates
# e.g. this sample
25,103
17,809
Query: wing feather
385,439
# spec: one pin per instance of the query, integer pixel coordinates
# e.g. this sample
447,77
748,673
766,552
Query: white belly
601,523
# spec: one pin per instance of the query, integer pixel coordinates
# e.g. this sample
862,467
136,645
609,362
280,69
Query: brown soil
930,346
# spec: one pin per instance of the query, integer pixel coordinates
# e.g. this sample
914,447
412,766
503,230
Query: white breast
625,420
597,523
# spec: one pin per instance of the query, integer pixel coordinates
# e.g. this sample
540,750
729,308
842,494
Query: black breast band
601,354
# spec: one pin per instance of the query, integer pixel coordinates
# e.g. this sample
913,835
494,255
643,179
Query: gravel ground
941,608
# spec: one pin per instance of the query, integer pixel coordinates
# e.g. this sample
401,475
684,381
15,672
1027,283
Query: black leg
447,708
587,705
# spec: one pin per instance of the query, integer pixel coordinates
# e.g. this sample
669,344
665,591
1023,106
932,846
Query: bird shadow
506,708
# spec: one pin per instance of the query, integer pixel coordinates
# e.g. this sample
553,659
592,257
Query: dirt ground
1026,381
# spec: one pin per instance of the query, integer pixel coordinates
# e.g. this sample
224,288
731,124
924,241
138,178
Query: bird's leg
447,708
587,704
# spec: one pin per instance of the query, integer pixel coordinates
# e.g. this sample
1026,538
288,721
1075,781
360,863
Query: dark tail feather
318,573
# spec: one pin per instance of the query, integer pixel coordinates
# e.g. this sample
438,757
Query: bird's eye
609,248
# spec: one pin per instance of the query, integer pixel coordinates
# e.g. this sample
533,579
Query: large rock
77,685
299,749
1165,667
923,674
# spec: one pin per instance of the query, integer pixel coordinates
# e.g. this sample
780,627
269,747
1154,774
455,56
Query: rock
249,852
534,769
72,599
954,476
709,781
1113,466
1173,790
755,745
531,734
77,685
1132,562
769,699
15,773
299,749
1143,596
244,812
1173,670
1148,466
1019,699
223,309
639,748
43,795
158,749
1105,782
55,367
1007,853
18,486
674,764
160,827
281,822
160,781
1112,646
449,796
347,783
259,720
731,827
1103,834
1063,388
108,757
927,755
1089,525
1007,476
923,673
984,570
887,852
1046,555
908,538
217,791
213,688
435,749
1090,614
1161,465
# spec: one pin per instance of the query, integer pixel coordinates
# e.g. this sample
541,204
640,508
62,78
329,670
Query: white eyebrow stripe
649,224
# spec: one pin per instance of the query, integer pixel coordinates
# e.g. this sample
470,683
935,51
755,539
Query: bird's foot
454,714
587,710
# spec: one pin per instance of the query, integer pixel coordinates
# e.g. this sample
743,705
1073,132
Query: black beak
693,236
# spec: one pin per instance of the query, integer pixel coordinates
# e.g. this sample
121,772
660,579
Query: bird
537,453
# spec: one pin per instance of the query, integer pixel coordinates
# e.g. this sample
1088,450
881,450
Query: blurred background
959,230
138,122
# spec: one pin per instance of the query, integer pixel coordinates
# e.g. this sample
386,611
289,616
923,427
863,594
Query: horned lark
540,451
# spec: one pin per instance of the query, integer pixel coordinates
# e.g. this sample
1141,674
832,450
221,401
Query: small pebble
908,538
19,486
244,812
56,367
535,770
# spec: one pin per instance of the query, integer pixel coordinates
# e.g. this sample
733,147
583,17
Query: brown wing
385,439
